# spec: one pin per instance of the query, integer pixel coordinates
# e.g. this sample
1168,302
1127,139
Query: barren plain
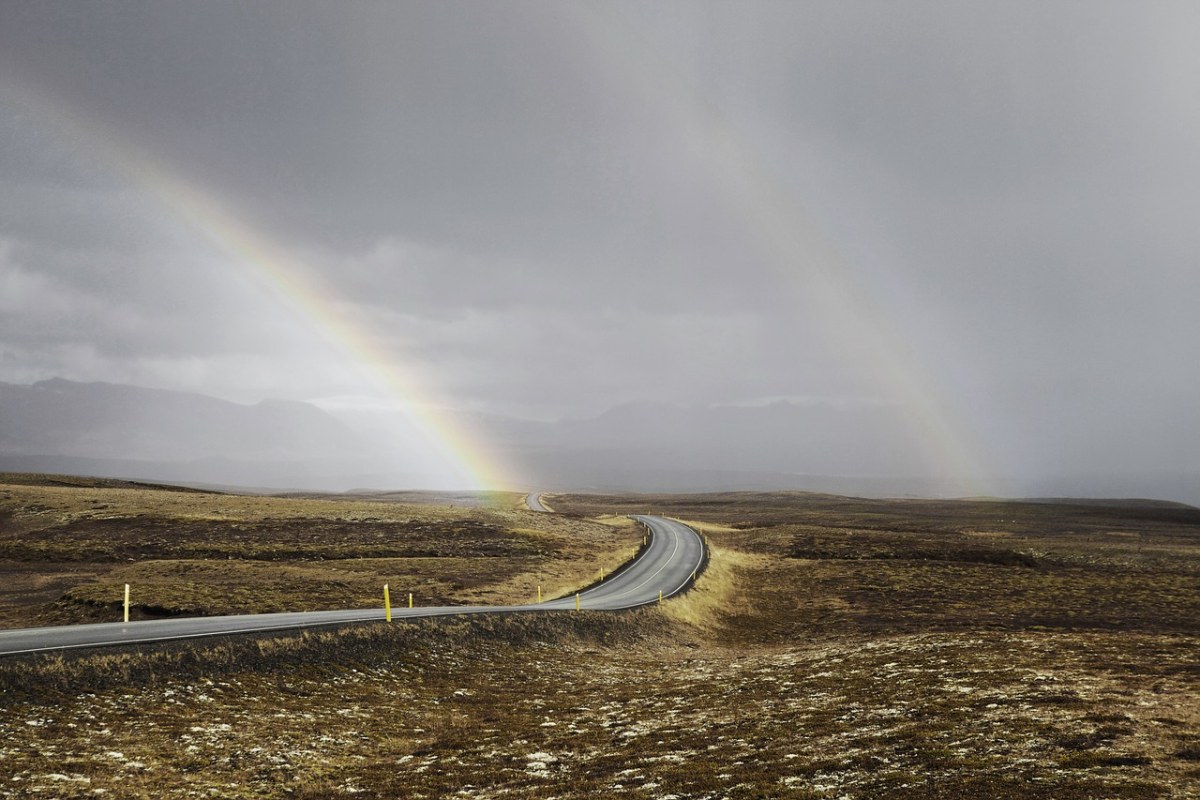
835,647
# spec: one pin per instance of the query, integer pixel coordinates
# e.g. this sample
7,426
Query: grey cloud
533,203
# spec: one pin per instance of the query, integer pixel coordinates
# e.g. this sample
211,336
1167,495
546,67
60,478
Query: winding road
534,502
674,555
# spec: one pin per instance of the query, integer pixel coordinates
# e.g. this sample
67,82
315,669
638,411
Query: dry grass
594,705
66,551
720,594
834,648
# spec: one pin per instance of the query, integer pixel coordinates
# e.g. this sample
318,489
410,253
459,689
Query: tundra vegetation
835,647
68,546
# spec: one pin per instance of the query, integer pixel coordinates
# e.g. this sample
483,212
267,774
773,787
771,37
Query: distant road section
675,553
534,501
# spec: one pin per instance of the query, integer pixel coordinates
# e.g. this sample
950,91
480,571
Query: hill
121,431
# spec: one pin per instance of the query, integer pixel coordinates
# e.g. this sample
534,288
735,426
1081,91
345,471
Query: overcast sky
984,213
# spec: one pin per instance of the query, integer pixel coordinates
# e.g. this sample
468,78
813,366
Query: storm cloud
547,210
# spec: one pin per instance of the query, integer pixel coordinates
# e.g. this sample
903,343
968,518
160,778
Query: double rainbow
789,243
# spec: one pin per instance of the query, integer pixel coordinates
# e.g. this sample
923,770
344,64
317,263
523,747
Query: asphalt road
675,552
534,501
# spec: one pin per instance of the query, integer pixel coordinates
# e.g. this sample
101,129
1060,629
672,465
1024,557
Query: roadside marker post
577,601
410,599
539,593
127,602
387,603
660,595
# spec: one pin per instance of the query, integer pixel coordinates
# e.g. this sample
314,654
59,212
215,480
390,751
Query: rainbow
792,246
461,449
464,454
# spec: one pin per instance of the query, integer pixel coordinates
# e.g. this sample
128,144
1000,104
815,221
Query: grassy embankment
834,648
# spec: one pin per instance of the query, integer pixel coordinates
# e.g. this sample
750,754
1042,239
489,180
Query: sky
982,215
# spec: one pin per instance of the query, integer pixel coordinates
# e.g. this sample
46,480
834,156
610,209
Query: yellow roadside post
539,593
660,595
127,602
602,574
410,599
387,603
577,601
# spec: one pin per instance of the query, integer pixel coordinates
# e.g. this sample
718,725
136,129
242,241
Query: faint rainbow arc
791,243
461,449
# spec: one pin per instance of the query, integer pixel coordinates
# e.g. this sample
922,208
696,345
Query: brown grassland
67,547
834,648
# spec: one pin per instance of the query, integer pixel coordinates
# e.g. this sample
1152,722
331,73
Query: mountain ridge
60,417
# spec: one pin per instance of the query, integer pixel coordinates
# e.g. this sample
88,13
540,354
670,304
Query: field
834,648
66,551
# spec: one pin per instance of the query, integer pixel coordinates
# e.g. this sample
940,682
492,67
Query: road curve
534,501
674,554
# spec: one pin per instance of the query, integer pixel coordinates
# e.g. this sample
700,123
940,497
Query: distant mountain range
119,431
106,420
663,447
115,430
